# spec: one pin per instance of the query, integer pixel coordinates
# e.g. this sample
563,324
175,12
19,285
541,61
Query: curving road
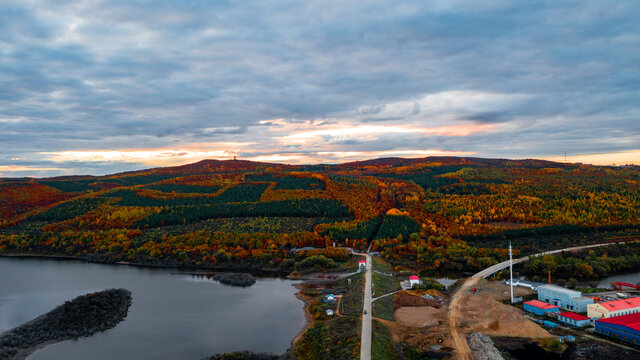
459,341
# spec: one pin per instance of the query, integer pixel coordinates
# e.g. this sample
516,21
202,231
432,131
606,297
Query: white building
362,265
414,280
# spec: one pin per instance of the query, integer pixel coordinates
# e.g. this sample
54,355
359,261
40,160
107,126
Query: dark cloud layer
547,76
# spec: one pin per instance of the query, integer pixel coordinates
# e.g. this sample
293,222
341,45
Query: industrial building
574,319
625,327
539,307
609,309
564,298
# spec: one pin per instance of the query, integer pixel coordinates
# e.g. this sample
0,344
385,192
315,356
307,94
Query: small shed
414,280
539,307
330,298
329,312
574,319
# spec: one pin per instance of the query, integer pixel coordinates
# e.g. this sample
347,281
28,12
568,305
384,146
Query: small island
80,317
235,279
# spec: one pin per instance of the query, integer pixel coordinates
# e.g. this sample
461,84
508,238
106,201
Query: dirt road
463,352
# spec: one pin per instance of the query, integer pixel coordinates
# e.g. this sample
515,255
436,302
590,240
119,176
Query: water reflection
173,316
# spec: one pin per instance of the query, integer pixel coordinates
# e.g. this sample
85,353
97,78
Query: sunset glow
104,87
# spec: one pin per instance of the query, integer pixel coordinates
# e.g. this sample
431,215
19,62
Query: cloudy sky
95,87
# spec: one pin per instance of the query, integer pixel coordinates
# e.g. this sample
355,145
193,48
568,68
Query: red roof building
573,316
625,327
574,319
362,265
614,308
621,304
541,305
631,321
414,277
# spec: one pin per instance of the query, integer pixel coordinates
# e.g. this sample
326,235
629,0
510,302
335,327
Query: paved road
462,350
365,343
505,264
388,294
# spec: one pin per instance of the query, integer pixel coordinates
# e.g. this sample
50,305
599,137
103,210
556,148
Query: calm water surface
173,316
627,277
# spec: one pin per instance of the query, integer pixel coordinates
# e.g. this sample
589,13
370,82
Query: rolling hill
436,213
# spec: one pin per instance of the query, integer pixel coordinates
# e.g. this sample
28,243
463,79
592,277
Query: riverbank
80,317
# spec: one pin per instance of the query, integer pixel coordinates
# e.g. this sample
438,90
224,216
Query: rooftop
573,293
631,321
573,316
362,262
621,304
583,298
414,277
541,305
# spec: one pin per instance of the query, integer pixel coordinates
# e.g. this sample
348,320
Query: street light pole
511,271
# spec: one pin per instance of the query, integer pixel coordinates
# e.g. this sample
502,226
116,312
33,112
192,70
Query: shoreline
310,321
259,271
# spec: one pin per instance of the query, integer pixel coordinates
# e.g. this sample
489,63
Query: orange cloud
155,157
631,157
15,168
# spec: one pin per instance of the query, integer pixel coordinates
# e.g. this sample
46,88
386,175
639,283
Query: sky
98,87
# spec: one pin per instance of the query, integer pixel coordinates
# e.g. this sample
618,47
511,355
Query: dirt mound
482,313
419,316
414,298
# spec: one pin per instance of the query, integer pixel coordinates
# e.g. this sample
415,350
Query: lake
174,315
633,278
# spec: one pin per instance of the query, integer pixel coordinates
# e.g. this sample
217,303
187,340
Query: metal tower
511,271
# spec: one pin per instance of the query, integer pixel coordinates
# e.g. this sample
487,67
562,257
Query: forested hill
438,213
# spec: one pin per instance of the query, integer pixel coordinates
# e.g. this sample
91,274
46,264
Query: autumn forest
431,214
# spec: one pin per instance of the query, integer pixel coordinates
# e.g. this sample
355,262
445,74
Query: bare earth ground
483,313
425,326
419,325
420,316
422,338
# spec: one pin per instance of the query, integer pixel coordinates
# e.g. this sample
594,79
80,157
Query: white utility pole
511,271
